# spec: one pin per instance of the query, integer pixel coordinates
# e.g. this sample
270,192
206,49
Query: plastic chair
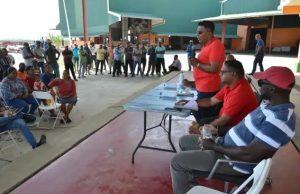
41,96
259,178
12,143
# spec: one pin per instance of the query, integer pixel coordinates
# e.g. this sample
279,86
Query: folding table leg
143,138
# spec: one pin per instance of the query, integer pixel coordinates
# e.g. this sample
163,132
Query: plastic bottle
180,84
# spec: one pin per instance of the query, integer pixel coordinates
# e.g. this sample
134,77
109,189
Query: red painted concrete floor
102,164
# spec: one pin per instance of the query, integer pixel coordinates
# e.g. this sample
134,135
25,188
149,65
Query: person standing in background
259,54
76,57
190,53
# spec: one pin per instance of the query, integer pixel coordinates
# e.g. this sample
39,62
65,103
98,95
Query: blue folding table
160,99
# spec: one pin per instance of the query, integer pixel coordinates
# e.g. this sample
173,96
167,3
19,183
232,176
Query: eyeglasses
223,72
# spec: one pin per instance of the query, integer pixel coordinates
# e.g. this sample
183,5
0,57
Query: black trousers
160,62
172,68
102,62
258,59
70,67
117,68
151,67
128,62
144,63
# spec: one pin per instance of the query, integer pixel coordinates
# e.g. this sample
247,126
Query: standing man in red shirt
207,67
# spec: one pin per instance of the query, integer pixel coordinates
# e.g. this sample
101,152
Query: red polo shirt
213,51
238,101
66,88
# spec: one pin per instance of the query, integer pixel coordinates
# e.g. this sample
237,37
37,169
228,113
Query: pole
271,36
84,22
223,31
67,21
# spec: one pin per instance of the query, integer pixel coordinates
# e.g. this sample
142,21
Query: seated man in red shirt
237,96
67,96
29,79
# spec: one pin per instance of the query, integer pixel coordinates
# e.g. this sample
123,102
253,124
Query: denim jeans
205,112
24,103
20,125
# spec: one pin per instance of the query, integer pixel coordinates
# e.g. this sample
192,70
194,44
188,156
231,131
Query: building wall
153,38
284,37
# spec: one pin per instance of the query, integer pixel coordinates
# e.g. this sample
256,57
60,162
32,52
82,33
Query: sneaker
42,141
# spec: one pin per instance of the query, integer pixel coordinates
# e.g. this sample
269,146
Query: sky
27,19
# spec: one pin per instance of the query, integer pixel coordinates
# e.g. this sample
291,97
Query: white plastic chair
259,177
39,97
12,142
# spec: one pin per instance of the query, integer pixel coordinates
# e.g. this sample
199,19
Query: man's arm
56,51
208,102
212,68
221,121
254,152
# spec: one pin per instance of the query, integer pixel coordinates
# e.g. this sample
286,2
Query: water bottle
206,133
180,84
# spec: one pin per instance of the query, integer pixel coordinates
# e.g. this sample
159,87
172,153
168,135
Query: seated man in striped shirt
258,136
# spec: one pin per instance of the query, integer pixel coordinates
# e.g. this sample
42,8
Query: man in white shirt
27,54
176,65
39,56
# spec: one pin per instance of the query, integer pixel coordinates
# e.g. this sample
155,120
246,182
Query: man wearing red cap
257,137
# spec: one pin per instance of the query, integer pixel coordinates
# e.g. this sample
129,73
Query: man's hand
194,61
208,144
181,102
212,128
194,128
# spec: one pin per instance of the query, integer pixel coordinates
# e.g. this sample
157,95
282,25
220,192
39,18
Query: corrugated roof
241,16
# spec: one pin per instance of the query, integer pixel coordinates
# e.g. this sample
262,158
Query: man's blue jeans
24,103
20,125
205,112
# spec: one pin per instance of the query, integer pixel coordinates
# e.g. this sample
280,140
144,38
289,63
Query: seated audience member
21,74
38,84
67,95
9,121
232,95
15,93
257,137
176,64
47,76
30,78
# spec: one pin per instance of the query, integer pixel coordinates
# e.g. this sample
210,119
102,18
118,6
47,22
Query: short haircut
29,68
236,67
208,25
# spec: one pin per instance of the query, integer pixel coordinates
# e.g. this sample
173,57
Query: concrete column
223,31
124,28
84,21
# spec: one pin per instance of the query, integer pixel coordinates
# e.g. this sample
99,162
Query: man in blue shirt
190,53
160,59
75,51
257,137
47,76
259,54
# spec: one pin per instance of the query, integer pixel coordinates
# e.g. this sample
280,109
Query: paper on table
192,105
